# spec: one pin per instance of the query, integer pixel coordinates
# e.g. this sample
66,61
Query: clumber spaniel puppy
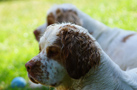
71,59
58,14
119,44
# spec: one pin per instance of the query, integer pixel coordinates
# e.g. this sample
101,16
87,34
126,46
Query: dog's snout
29,66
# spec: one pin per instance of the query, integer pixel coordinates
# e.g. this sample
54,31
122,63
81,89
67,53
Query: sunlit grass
18,19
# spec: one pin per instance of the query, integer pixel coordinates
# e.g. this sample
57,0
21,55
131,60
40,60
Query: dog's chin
33,80
55,84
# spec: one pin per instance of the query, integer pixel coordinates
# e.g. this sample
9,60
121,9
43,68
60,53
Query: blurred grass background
19,18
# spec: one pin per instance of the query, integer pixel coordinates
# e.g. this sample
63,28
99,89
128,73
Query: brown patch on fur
70,26
37,34
39,48
50,19
127,37
63,16
53,52
73,27
78,52
58,11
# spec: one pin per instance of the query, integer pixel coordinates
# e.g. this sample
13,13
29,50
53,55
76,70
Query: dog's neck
69,84
107,76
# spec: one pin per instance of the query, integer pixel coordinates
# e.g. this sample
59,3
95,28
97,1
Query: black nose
29,65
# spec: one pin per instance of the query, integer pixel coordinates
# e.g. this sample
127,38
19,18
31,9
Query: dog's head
59,14
66,51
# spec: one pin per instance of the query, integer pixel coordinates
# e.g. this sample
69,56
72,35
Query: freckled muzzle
45,71
32,79
33,69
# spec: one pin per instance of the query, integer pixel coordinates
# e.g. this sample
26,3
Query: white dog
119,44
71,59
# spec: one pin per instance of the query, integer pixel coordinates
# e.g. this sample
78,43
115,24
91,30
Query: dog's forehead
50,35
62,6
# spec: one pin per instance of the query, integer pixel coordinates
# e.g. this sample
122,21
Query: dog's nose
29,65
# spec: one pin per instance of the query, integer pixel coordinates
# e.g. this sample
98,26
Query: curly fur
79,52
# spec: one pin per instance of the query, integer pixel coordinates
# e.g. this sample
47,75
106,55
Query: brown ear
79,52
50,19
58,12
37,34
60,16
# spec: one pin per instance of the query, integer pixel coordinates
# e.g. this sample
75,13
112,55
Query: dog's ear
50,19
59,12
37,34
60,16
78,51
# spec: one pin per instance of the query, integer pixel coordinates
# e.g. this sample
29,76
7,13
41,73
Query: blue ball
18,82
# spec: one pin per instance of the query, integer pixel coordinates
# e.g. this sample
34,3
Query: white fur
107,76
110,39
56,71
110,77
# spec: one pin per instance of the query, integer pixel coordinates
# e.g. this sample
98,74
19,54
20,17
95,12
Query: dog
71,59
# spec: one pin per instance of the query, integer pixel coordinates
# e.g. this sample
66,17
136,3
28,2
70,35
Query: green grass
18,19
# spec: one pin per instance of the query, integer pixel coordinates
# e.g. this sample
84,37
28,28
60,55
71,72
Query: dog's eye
52,51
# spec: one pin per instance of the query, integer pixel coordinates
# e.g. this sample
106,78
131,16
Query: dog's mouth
33,80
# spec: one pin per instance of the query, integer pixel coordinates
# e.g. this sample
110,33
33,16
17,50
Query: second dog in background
120,45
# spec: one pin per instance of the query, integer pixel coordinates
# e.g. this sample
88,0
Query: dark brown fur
63,16
39,49
50,19
127,37
54,53
37,34
78,52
